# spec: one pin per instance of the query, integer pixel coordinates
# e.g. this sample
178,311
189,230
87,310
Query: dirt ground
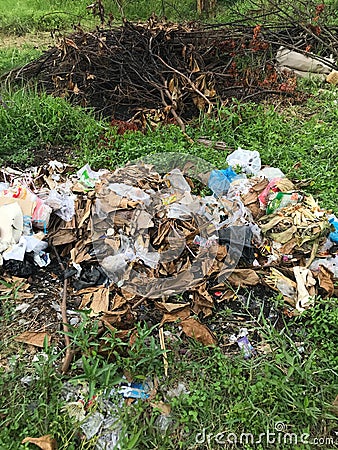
40,40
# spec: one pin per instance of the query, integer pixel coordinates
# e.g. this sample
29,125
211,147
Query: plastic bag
17,251
62,204
177,181
249,161
114,264
150,259
270,173
238,187
333,236
220,180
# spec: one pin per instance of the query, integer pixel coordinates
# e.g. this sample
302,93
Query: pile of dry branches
170,72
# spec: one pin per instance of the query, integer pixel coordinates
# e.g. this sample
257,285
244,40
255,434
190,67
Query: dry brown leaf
335,406
120,319
171,307
118,301
164,408
33,338
198,331
46,442
100,301
325,277
243,277
250,197
177,315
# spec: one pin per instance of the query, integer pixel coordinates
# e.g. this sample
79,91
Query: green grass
24,16
27,16
227,394
31,122
13,57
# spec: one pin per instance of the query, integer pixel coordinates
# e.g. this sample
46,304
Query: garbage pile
137,236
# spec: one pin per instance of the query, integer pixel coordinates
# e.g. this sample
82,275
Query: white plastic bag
62,204
249,161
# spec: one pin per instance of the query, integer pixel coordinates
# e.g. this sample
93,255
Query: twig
165,356
194,88
69,353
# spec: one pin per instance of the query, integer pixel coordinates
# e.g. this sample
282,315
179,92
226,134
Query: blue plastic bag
333,236
220,180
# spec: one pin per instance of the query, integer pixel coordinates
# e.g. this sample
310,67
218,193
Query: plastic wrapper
303,64
333,236
135,390
88,177
245,345
283,199
92,424
131,192
249,161
205,242
42,259
274,186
